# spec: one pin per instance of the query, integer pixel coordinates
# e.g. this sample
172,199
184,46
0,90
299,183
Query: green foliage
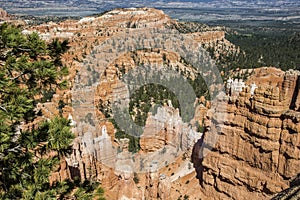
59,135
86,191
200,87
146,96
134,145
266,48
150,96
57,48
27,63
80,190
30,69
200,129
135,178
26,172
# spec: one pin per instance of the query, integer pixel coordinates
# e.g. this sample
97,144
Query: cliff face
107,165
257,151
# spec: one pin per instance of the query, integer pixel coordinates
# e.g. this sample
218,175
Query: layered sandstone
257,151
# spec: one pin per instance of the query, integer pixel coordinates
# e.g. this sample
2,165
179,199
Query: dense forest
260,48
31,146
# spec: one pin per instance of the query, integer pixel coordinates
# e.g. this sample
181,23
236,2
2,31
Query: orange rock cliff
258,147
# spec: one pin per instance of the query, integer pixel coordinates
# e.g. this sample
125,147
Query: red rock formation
258,146
256,153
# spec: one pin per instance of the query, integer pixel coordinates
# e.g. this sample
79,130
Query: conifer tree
30,72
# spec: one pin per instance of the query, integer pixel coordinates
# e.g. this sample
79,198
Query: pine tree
30,71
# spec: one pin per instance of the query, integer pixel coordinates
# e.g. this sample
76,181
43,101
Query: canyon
250,144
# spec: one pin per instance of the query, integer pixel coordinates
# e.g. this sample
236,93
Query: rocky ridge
259,136
258,147
83,35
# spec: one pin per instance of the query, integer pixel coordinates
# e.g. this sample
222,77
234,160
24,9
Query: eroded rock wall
85,162
257,151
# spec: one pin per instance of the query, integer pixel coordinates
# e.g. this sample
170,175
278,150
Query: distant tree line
279,49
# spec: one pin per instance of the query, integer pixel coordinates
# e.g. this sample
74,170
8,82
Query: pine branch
15,78
3,108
